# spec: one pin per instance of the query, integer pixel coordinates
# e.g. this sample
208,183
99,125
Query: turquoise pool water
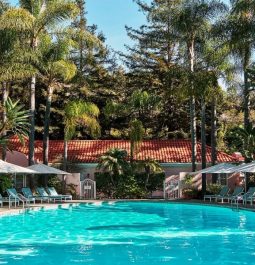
129,233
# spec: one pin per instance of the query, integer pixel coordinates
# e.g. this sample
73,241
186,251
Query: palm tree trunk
246,96
192,109
147,180
65,155
4,98
47,127
214,137
31,157
203,143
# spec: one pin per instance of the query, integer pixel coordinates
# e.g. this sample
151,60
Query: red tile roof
88,151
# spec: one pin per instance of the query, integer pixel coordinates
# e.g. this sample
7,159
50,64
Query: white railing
171,187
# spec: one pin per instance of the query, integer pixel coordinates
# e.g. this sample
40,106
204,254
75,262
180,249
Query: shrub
155,181
192,193
5,183
128,188
71,189
213,188
55,182
104,184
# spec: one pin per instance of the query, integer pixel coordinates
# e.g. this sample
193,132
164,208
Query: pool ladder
235,206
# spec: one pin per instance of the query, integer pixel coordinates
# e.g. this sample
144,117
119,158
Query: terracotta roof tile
88,151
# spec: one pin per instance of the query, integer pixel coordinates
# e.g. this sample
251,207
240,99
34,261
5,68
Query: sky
111,16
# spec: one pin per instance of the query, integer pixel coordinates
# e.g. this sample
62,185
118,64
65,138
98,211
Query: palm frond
17,19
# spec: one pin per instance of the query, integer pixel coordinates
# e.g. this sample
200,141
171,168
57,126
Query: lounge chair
13,194
247,197
28,194
238,191
52,191
8,200
42,192
224,191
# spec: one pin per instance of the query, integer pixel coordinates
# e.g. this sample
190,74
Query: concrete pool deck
5,210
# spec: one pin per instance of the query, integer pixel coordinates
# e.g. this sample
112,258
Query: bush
5,183
128,188
104,185
155,181
55,182
192,193
213,188
71,189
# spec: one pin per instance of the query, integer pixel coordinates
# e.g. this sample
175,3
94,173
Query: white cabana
244,168
14,170
8,168
223,168
47,170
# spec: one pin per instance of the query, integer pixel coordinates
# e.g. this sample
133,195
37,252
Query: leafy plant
71,189
213,188
16,122
128,188
191,193
5,183
55,182
244,141
188,180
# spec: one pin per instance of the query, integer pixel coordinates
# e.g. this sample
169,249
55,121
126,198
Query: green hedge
128,186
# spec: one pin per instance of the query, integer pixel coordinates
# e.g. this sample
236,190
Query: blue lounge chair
238,191
52,191
224,191
29,194
249,196
42,192
13,194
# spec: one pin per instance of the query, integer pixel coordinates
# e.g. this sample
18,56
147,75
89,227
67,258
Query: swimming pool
129,233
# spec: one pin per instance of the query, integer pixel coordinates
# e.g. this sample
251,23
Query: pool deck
5,210
35,207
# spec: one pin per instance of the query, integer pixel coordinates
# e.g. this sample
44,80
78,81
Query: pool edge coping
11,212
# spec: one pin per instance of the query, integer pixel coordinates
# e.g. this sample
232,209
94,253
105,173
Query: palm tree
54,69
191,21
114,161
78,113
13,60
150,167
136,134
16,121
32,19
238,29
244,140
